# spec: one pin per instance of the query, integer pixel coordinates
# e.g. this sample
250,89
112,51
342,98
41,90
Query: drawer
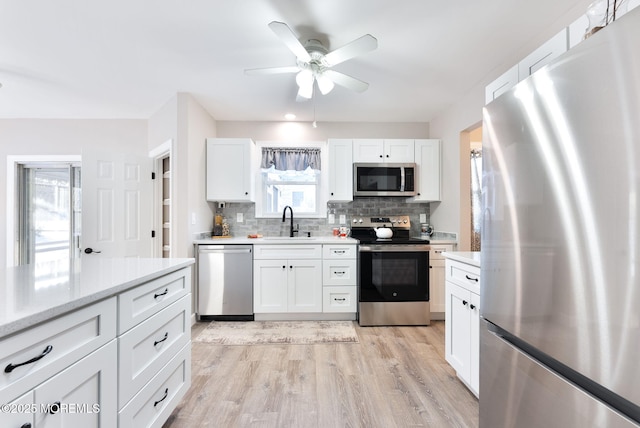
339,251
339,272
339,299
154,404
278,252
70,337
435,251
464,275
141,302
146,348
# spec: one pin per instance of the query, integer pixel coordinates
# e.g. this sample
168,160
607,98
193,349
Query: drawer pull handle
340,299
471,278
472,306
164,293
339,273
339,251
166,393
11,367
166,335
54,408
26,425
464,303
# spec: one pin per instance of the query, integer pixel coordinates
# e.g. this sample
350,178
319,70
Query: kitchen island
95,341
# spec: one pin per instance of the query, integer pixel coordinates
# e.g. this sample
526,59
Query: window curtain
290,159
476,198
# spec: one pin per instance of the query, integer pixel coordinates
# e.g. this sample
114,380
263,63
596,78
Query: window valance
290,159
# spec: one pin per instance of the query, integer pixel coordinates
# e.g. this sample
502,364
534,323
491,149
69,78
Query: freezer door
561,232
517,391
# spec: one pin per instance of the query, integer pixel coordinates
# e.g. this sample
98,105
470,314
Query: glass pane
51,217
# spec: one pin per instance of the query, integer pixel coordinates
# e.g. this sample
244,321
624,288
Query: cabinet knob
472,306
380,155
464,302
246,193
331,193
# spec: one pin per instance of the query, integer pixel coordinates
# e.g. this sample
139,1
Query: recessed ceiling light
289,116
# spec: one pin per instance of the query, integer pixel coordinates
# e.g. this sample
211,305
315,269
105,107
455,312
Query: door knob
91,250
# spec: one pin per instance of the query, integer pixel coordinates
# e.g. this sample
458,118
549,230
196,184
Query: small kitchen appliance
393,272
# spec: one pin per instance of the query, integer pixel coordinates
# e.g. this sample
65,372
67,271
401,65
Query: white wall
62,137
303,131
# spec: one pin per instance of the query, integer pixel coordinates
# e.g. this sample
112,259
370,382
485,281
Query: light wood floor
394,377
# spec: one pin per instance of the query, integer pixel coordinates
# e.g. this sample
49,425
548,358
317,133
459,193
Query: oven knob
395,294
405,221
354,220
360,220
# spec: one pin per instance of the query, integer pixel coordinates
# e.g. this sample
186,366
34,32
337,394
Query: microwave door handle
402,179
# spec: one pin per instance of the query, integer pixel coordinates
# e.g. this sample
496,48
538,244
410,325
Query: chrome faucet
284,214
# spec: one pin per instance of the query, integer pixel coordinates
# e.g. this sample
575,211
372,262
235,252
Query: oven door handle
390,248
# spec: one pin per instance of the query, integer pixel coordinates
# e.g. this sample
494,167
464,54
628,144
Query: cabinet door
502,84
368,150
340,170
427,157
305,285
399,151
229,169
542,56
474,359
20,413
436,288
270,286
88,389
458,330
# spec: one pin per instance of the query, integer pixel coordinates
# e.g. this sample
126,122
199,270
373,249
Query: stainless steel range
393,272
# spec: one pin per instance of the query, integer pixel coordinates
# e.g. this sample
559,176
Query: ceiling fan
314,62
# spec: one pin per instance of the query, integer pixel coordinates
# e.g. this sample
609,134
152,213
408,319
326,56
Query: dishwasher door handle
224,251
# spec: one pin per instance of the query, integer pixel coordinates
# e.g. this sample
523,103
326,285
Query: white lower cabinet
321,279
83,395
437,280
79,370
284,284
462,326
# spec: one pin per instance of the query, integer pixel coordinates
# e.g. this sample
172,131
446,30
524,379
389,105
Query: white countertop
469,257
35,293
297,240
276,240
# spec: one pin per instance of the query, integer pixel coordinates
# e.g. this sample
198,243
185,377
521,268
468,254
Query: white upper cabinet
427,157
501,84
577,29
377,150
340,170
229,169
542,56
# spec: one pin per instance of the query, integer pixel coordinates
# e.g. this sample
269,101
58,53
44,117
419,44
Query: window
298,189
48,212
290,176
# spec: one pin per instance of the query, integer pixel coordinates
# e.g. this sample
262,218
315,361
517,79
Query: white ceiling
126,58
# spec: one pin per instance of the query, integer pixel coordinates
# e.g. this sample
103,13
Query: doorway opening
49,209
470,188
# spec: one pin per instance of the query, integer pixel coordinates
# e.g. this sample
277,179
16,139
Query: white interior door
116,205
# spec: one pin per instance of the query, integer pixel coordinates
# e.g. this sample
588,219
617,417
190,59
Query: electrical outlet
331,219
239,217
193,218
343,219
423,218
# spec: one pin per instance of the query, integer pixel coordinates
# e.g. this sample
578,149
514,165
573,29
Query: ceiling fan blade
272,70
346,81
357,47
285,34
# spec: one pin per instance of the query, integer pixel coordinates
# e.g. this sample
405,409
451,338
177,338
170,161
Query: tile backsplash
358,207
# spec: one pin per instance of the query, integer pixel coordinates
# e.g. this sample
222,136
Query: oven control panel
395,221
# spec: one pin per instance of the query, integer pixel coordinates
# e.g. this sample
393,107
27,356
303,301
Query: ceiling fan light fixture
324,84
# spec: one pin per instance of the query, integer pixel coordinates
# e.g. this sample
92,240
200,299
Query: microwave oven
384,179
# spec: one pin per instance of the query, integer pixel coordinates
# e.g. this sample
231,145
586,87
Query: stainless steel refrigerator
560,298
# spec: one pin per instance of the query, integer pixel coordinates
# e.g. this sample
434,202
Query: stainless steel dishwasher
225,282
